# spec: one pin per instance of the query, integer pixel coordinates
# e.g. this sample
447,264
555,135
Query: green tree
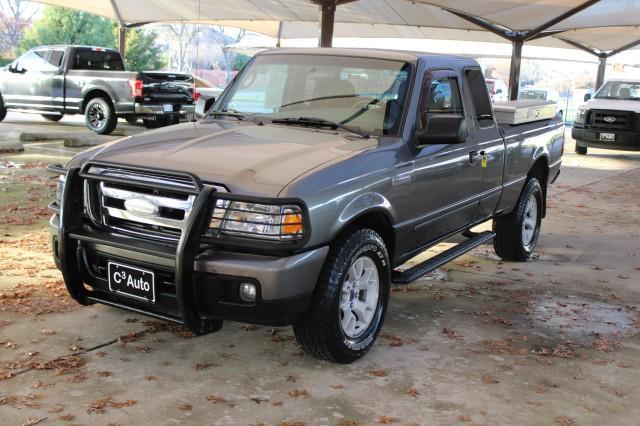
65,26
142,53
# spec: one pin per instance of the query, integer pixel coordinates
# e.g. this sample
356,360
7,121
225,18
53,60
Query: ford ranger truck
315,176
55,81
611,120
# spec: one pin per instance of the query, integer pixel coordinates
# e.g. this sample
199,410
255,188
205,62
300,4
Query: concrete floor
550,341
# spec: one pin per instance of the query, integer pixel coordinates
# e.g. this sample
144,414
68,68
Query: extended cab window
479,97
99,60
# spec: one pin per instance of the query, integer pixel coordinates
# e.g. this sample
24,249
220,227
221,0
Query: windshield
364,94
619,90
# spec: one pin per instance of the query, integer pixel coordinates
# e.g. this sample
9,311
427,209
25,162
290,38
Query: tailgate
167,87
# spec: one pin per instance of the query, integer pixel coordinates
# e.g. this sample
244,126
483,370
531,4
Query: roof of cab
388,54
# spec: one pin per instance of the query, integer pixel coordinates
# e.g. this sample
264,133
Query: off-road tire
581,150
319,331
509,243
106,120
52,117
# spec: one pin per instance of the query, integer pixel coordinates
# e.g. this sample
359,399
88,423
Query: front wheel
100,116
350,300
517,233
581,150
3,110
52,117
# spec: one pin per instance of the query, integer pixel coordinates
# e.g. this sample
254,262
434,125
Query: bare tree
16,16
181,46
223,39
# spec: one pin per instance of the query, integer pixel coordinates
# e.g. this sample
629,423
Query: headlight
254,220
60,189
580,115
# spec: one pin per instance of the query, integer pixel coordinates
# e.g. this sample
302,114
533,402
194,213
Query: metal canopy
600,27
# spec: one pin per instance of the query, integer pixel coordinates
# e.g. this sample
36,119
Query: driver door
26,86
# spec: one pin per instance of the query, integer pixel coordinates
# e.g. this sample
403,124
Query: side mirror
498,91
443,129
587,97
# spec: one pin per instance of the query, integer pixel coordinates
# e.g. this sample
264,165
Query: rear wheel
350,300
52,117
131,119
581,150
100,116
517,233
155,124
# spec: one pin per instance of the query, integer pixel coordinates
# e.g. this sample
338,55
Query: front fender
366,203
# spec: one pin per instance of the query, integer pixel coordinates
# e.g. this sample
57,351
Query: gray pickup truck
315,176
61,80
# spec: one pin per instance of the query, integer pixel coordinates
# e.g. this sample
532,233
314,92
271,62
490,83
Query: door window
55,59
33,61
444,97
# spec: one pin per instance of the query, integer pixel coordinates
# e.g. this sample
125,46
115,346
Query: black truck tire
52,117
350,299
3,110
155,124
131,119
581,150
100,116
517,233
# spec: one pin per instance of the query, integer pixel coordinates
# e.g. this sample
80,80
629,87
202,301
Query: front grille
610,119
132,205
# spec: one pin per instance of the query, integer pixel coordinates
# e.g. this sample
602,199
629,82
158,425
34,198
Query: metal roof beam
486,25
568,14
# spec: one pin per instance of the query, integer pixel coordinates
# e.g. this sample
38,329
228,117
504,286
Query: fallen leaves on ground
184,407
489,379
299,393
387,420
100,405
411,392
378,373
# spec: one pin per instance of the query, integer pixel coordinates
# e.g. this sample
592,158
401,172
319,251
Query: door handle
473,156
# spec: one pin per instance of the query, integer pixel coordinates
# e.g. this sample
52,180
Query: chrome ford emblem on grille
141,207
609,119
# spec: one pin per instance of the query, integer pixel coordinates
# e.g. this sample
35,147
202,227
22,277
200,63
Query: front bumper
196,283
183,111
624,140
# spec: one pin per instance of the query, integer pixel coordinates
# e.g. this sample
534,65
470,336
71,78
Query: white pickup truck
611,120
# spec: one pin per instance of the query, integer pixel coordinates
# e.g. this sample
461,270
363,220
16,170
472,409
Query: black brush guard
73,230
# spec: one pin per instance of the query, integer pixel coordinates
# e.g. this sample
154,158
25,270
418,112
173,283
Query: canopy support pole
514,71
327,22
602,56
123,41
602,69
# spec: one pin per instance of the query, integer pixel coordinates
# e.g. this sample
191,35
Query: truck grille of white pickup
138,210
610,119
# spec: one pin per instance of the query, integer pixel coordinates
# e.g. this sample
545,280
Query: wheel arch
377,219
96,93
540,170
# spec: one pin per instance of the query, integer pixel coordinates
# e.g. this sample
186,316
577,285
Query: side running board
415,272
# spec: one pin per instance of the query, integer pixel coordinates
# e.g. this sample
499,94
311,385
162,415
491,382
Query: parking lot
480,341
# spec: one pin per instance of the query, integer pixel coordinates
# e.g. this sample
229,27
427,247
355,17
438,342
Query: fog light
248,292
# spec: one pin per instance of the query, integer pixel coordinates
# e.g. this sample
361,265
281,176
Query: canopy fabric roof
390,18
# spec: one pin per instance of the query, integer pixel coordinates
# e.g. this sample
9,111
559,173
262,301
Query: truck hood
247,158
613,104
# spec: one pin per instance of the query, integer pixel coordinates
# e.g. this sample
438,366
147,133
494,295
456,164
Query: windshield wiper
318,122
228,113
